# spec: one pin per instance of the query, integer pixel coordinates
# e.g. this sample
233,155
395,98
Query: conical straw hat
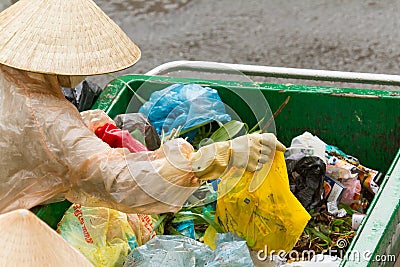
27,241
65,37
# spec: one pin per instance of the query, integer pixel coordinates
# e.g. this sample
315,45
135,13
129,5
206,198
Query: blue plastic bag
185,105
186,228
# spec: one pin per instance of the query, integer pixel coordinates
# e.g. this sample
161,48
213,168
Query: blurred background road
357,35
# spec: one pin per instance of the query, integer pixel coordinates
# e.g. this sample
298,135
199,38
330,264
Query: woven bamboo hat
65,37
27,241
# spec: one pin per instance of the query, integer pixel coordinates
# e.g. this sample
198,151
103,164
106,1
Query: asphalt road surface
357,35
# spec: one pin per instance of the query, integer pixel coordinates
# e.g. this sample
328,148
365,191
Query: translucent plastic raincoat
48,153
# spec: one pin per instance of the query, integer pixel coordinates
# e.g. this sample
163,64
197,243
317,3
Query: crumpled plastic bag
268,218
351,196
181,251
103,235
84,95
118,138
140,128
185,105
306,145
306,178
143,227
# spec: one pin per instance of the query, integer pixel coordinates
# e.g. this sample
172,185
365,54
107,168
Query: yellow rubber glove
247,152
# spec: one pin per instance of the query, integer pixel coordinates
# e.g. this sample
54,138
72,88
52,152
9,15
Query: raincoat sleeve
49,153
146,182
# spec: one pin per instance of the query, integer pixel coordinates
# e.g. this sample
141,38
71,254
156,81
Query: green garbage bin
364,123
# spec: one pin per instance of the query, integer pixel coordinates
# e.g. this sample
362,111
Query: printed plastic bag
143,227
268,218
185,105
103,235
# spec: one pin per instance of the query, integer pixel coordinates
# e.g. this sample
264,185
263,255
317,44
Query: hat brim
73,37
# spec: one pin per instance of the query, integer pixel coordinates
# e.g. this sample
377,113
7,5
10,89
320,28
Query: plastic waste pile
310,197
334,187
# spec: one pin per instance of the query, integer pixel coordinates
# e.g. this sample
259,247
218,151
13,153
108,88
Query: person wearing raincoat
47,150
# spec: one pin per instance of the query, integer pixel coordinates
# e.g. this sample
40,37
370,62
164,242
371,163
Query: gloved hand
248,152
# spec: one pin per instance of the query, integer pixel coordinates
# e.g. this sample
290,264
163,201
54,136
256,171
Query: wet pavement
356,35
360,36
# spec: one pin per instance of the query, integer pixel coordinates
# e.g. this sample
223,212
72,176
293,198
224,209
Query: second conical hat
65,37
27,241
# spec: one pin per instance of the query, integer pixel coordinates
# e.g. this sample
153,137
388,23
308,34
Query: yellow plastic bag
261,210
103,235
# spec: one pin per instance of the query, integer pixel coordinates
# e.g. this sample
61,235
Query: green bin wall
363,123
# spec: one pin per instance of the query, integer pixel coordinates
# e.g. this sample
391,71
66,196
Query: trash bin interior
364,123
